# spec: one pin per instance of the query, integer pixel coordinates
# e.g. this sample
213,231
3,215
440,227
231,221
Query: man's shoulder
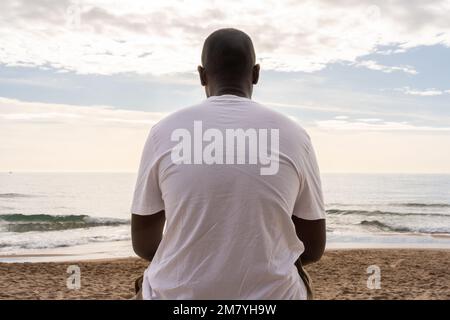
177,118
281,120
295,139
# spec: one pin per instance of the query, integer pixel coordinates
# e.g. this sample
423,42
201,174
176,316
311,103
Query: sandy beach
341,274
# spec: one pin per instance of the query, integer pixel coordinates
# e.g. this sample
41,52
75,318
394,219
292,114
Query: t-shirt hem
320,216
146,211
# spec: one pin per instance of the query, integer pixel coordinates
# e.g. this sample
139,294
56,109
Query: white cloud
15,111
390,51
423,93
369,120
373,65
349,109
38,116
362,125
106,37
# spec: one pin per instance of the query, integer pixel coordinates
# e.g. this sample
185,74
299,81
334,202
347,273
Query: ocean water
56,212
398,209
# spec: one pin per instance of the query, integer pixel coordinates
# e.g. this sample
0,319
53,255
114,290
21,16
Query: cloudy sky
81,82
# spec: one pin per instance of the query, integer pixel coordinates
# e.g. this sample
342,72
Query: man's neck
236,91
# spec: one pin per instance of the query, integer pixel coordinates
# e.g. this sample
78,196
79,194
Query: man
238,187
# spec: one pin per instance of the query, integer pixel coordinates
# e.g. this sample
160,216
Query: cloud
15,112
423,93
373,65
363,125
365,115
369,120
160,37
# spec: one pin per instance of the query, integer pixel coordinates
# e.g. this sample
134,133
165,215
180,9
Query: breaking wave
44,222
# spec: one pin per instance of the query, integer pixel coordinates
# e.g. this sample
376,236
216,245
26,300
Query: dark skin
215,87
228,64
313,235
146,231
146,234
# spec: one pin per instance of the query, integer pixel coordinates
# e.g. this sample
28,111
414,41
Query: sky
82,82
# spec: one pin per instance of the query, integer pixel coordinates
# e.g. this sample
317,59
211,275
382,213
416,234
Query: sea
66,216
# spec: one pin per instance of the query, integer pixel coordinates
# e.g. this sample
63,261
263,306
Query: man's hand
146,233
313,235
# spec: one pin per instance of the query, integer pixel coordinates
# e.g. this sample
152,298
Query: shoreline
134,256
123,250
340,274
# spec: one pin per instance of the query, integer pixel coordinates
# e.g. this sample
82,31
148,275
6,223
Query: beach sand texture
341,274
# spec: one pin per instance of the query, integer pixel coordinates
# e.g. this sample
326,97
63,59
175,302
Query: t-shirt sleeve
309,204
147,198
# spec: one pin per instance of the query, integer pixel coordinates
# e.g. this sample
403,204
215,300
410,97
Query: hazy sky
81,82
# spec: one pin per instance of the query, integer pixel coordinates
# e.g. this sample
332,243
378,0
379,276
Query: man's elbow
313,253
312,257
144,253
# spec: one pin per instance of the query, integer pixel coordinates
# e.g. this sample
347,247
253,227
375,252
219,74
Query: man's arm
146,233
313,235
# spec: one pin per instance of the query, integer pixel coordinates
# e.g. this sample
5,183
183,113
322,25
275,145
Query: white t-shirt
228,233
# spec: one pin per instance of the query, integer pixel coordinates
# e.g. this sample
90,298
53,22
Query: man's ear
255,74
201,73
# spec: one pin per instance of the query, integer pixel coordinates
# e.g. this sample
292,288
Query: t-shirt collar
228,97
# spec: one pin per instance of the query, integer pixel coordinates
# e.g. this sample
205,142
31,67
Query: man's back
228,204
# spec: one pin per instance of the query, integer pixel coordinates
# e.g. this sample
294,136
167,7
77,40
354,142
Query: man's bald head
228,56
